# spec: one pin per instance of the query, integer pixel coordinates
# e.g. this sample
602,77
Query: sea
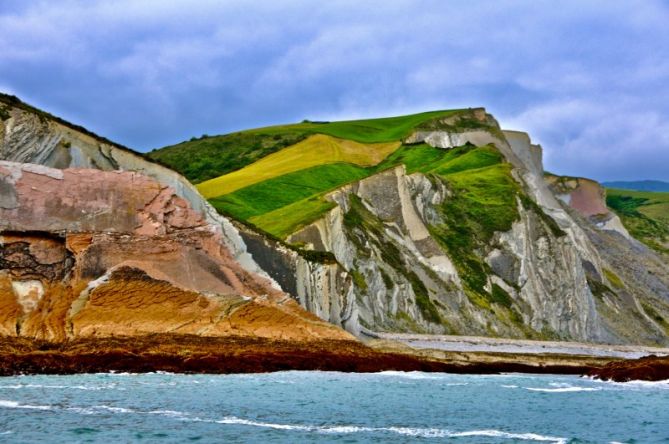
330,407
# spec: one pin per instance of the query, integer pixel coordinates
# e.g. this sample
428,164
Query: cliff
96,253
454,228
479,242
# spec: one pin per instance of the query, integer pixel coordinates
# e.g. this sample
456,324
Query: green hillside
207,157
645,214
315,150
278,178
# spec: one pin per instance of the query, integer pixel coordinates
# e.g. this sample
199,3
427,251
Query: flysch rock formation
561,262
567,273
89,253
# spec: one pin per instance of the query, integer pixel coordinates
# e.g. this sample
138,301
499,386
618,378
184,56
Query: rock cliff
31,136
96,253
484,244
556,272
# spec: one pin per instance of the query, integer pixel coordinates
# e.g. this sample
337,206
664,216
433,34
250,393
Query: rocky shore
195,354
243,354
648,368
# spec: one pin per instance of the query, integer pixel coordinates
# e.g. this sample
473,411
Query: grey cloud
587,79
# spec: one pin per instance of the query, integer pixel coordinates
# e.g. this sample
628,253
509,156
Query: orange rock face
86,253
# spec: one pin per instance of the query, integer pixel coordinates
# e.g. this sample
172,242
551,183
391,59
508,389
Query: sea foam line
334,429
563,389
16,405
406,431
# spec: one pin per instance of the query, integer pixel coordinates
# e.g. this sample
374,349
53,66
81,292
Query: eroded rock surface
85,253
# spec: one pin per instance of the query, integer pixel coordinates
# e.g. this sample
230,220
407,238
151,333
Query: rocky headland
111,262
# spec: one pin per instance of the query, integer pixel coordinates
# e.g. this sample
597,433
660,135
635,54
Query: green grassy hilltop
644,213
276,177
210,157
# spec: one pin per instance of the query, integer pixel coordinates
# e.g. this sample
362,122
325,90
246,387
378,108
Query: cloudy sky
588,79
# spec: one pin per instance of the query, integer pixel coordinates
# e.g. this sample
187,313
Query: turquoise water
330,407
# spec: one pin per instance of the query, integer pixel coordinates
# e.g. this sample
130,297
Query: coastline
519,346
226,355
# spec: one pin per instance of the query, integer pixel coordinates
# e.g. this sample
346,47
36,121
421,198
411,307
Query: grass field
204,158
315,150
645,214
288,219
386,129
281,205
279,192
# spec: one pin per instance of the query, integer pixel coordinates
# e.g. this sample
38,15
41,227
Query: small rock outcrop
648,368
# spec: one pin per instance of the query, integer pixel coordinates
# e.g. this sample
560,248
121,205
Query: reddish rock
648,368
87,253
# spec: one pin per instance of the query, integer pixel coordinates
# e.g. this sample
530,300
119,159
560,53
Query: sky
589,80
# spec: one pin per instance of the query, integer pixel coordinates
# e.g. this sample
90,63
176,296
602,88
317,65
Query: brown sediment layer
195,354
648,368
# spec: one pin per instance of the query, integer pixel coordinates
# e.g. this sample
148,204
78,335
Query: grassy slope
282,205
279,192
209,157
645,214
315,150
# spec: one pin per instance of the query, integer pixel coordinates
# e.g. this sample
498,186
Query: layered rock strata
91,253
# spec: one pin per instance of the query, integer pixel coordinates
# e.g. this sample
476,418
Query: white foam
269,425
115,409
563,389
506,435
64,387
405,431
15,405
413,375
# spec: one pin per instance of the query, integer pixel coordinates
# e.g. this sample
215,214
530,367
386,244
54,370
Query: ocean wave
63,387
563,389
636,384
115,409
405,431
16,405
414,375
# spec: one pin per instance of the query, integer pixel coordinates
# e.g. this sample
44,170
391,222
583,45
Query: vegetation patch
655,316
500,296
613,278
423,301
531,205
599,289
316,150
205,158
4,113
483,202
209,157
645,214
279,192
289,219
358,279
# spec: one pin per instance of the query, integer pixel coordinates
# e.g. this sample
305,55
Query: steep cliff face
588,198
91,253
381,232
457,231
550,274
28,136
